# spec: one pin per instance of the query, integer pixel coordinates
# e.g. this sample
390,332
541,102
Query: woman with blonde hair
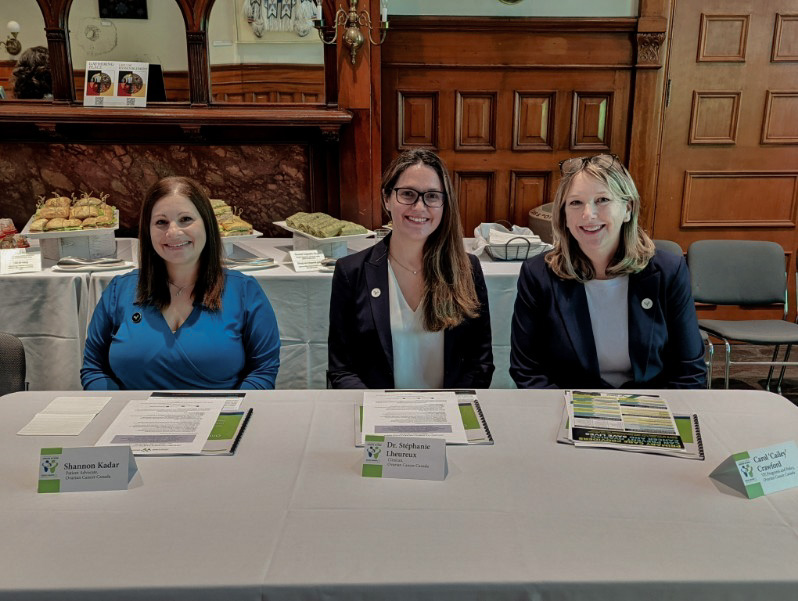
412,311
603,309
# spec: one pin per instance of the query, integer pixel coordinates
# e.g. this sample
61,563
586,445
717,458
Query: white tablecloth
302,304
289,517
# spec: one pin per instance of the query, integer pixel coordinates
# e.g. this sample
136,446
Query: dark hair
449,292
153,285
32,78
635,248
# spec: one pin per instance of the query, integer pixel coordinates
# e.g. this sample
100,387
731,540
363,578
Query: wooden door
729,156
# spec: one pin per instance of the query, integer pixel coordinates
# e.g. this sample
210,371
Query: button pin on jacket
375,292
647,303
136,317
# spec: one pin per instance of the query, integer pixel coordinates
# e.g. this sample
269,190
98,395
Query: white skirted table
288,517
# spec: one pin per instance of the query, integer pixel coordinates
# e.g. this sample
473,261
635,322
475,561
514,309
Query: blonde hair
449,293
635,248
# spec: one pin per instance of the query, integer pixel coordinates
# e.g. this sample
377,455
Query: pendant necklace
179,288
413,271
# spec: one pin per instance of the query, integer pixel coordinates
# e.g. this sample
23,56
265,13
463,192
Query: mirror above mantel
157,39
26,17
263,51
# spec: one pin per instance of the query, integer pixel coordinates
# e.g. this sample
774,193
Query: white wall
29,17
525,8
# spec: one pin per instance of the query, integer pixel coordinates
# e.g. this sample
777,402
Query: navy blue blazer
360,345
552,343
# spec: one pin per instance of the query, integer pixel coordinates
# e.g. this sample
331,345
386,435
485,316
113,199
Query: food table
301,302
288,517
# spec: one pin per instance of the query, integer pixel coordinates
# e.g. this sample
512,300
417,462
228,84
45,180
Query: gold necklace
413,271
179,288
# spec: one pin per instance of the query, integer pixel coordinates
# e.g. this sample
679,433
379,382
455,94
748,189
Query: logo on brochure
373,451
747,471
48,466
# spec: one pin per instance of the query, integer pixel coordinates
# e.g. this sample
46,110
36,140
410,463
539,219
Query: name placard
306,260
759,472
85,468
404,457
18,260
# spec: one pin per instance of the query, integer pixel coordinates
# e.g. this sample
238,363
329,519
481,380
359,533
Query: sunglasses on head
604,161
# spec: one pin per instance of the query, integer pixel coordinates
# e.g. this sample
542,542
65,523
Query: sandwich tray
229,241
283,225
93,231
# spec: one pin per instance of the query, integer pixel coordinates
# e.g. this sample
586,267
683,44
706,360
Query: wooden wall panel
723,38
533,120
417,119
780,123
264,83
749,199
475,197
475,125
714,117
785,39
512,98
528,189
591,123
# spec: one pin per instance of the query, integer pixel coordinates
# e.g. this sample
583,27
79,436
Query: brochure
115,84
474,423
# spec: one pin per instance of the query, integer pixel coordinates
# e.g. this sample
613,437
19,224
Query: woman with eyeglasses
412,311
603,309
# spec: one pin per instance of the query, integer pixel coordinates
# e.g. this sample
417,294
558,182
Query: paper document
65,416
413,413
165,426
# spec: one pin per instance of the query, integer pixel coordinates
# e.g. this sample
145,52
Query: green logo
49,465
373,451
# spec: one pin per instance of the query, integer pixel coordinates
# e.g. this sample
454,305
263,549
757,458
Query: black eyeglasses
432,198
604,161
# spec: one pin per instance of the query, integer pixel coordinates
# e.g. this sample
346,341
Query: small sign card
306,260
86,469
759,472
404,457
115,84
18,260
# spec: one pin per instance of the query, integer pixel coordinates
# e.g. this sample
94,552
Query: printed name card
759,472
306,260
18,260
86,468
115,84
404,457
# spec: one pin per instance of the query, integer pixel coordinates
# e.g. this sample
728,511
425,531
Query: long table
288,517
300,300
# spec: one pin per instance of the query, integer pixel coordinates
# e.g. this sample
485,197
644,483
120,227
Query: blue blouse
131,347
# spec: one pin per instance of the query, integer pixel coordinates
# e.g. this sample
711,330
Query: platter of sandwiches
230,222
62,216
322,227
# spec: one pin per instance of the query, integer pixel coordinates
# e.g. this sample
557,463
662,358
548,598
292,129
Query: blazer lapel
643,298
575,315
376,271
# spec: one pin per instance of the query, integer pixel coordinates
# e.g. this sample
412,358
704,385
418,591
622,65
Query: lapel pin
647,303
375,292
136,317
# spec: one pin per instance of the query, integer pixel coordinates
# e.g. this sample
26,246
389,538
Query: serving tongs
80,262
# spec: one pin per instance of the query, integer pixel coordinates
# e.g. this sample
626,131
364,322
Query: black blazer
360,346
552,342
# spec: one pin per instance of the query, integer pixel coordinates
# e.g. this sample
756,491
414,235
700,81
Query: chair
12,364
748,274
673,247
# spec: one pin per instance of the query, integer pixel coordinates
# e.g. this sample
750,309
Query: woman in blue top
181,321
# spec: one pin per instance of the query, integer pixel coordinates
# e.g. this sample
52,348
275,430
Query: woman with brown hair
412,311
181,321
31,76
603,309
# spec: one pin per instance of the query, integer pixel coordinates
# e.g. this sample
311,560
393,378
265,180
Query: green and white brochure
760,472
85,469
404,457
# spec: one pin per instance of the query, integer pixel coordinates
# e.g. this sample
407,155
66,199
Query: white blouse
417,354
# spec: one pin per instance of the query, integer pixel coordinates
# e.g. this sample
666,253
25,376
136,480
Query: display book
476,427
227,432
640,423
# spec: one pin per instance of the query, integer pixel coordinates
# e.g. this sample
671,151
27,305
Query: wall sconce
351,22
12,44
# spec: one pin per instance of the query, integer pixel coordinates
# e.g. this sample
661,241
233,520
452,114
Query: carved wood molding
522,24
648,50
